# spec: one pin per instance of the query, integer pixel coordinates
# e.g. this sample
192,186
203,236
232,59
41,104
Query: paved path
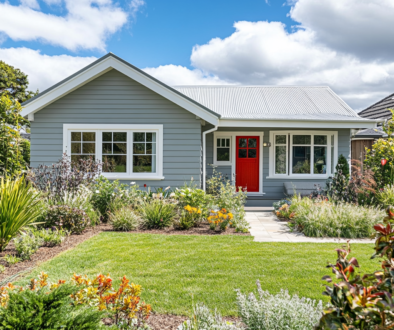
266,227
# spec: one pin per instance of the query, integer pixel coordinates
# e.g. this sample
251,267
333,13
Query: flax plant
19,207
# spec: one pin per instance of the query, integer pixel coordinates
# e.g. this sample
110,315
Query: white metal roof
272,102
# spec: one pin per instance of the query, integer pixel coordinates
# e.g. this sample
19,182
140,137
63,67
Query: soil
46,253
170,322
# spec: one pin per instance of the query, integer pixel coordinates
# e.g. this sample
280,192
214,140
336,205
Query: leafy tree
383,149
14,83
11,151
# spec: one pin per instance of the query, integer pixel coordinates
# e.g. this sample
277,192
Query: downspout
204,156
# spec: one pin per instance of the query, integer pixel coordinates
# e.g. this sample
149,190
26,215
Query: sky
347,44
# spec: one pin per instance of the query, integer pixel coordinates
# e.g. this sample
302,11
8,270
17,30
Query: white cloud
30,3
87,24
179,75
43,71
135,6
359,27
265,53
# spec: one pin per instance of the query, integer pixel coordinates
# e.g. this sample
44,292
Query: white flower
132,183
113,194
172,195
97,191
167,188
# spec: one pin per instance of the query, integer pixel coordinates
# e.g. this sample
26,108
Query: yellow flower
199,211
188,208
230,216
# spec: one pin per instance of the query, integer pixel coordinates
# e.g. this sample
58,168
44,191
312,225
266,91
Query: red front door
247,164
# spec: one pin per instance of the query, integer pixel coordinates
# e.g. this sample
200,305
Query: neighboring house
364,138
260,137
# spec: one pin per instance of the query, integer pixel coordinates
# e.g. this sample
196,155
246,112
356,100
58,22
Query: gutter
204,156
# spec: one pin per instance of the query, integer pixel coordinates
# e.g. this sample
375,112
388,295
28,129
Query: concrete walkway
266,227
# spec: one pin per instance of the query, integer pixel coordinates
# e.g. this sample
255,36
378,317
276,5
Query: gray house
261,137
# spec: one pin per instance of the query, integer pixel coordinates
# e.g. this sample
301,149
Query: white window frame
130,129
215,151
289,152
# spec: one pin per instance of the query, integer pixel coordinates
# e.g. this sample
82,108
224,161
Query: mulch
170,322
45,253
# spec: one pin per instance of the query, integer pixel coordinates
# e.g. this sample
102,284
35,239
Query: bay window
126,151
303,153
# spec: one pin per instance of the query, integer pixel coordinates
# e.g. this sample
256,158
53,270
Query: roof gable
105,64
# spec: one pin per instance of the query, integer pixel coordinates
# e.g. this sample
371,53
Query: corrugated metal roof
379,110
271,102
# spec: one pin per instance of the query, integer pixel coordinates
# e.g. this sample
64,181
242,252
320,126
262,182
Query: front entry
247,163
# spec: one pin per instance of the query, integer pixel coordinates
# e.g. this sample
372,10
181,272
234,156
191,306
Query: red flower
383,162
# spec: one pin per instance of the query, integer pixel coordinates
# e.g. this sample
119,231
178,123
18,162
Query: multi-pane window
223,149
122,152
114,152
83,145
144,152
299,154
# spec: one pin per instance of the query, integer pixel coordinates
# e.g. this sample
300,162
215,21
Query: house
364,138
261,137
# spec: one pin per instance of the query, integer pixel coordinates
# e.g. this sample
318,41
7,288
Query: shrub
19,205
323,218
104,193
124,219
385,197
203,319
50,237
11,260
215,182
26,245
123,305
343,166
190,217
66,217
194,197
277,312
78,199
31,310
362,301
157,214
64,176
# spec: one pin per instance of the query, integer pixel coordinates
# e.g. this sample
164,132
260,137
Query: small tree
13,83
11,151
343,166
383,149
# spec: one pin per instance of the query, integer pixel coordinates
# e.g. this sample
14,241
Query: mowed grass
177,270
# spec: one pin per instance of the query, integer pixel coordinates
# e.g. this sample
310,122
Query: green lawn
176,270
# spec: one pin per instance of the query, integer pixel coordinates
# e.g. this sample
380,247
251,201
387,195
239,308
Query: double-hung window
126,151
222,150
303,153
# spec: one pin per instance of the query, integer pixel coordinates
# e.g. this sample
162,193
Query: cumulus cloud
316,53
179,75
359,27
87,24
43,71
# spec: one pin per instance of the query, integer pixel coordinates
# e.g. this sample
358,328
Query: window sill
298,177
146,178
222,164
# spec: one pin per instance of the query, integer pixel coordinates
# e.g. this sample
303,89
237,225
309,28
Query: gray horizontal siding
114,98
273,188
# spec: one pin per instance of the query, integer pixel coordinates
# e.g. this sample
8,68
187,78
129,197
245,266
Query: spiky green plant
19,207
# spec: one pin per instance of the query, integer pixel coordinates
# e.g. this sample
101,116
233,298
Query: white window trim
233,135
215,151
98,128
330,171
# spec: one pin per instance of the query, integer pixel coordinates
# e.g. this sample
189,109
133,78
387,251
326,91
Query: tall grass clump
325,219
19,207
278,312
157,214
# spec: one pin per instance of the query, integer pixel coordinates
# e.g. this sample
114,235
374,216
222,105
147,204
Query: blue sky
345,44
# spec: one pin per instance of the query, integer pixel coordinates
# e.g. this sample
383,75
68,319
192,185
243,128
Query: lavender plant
278,312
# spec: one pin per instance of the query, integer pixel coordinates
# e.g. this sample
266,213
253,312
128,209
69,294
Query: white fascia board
105,66
296,124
